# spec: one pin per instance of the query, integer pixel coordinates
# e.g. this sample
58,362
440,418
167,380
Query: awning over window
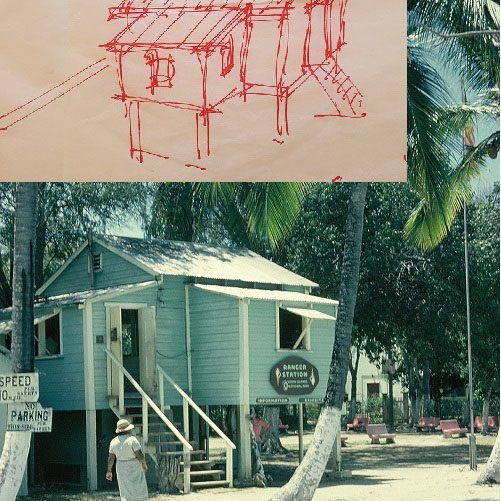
309,313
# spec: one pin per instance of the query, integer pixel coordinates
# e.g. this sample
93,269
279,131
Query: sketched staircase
344,96
162,442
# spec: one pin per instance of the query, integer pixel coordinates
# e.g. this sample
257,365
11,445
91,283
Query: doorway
131,338
131,347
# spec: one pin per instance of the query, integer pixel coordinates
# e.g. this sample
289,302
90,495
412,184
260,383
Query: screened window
48,337
291,328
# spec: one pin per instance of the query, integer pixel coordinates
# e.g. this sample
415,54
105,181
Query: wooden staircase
162,442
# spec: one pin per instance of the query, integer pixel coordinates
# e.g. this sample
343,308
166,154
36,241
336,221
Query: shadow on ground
376,457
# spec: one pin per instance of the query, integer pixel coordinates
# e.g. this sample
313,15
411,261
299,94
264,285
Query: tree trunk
490,474
426,388
168,468
41,236
17,444
257,465
304,482
485,412
271,415
353,372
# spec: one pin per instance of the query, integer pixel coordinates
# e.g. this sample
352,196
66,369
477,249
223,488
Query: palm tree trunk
490,474
17,444
354,372
302,485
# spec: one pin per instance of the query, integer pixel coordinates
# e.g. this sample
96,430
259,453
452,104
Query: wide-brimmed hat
123,425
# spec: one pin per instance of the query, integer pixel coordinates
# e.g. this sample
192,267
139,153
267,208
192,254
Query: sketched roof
202,261
190,24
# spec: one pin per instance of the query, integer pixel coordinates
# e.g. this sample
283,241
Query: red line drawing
53,94
189,52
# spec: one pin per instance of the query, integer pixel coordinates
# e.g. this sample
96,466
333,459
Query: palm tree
443,185
17,444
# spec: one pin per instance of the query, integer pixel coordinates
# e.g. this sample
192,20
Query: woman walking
131,464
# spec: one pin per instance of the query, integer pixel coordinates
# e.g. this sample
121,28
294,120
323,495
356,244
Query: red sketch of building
197,55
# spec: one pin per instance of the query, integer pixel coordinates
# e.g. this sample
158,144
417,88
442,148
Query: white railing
187,402
147,401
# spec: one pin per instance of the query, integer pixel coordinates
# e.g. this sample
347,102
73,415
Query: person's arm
140,457
111,461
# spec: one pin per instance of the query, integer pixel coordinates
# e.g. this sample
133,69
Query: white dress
130,474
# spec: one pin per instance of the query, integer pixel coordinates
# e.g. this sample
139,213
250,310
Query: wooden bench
428,424
378,431
451,427
358,424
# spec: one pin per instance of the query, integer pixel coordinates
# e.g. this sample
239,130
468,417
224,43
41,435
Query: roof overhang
308,313
40,316
265,295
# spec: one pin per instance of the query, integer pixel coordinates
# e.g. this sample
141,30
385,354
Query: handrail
151,403
199,411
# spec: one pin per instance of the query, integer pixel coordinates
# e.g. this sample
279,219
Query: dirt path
416,468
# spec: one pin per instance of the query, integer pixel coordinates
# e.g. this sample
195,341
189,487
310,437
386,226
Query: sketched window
227,56
162,70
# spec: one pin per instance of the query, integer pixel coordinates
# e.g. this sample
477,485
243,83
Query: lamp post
471,439
468,142
389,368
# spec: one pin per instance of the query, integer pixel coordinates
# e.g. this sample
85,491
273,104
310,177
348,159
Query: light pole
471,438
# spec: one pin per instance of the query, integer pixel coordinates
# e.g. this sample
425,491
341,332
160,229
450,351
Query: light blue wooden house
158,331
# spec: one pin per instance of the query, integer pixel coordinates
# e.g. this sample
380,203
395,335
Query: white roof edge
309,313
65,265
265,294
120,290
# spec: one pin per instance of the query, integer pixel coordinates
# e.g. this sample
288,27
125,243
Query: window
95,263
372,390
48,337
291,328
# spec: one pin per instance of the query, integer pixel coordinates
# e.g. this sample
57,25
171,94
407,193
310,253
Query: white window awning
6,325
309,313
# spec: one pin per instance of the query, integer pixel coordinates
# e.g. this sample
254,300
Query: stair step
201,462
210,483
180,453
201,473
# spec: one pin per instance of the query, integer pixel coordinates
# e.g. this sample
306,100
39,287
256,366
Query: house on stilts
159,331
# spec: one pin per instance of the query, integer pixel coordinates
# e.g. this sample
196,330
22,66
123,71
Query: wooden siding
263,352
62,378
116,271
215,348
171,336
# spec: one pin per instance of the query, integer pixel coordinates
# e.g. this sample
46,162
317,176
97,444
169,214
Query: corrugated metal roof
310,313
265,295
203,261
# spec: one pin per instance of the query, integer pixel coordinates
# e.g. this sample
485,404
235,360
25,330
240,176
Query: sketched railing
147,401
187,402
